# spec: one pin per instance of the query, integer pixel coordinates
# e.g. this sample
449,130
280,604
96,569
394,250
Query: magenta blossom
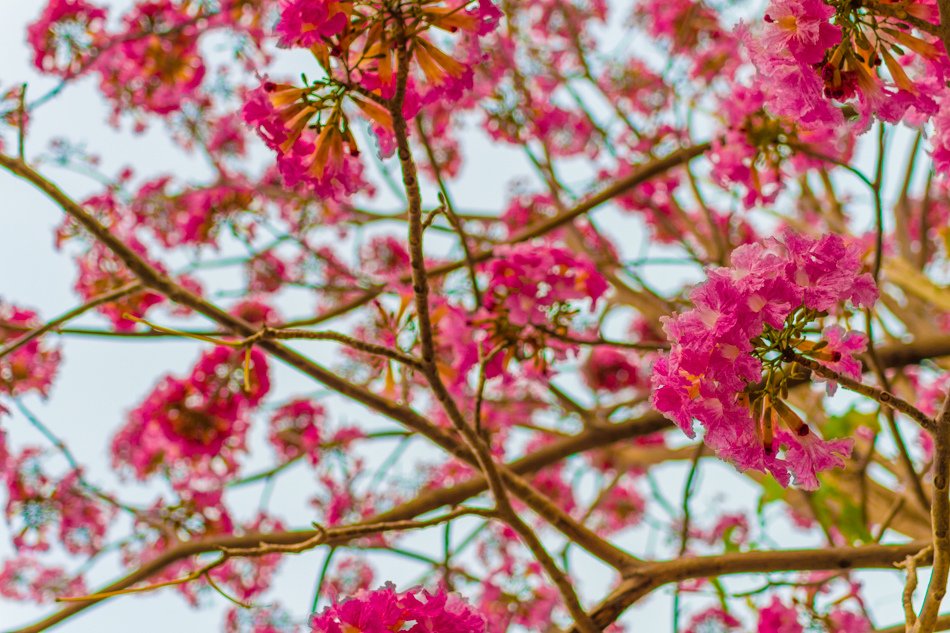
413,611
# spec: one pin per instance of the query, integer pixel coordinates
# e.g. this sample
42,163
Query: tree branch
940,519
646,579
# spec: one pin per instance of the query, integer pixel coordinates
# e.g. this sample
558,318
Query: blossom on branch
728,366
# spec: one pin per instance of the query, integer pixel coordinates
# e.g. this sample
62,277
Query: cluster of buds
356,45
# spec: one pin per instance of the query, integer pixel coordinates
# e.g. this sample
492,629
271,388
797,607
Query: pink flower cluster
265,619
38,503
64,34
152,62
719,351
350,576
101,272
755,148
191,217
612,370
533,294
941,137
196,418
33,366
354,42
267,273
327,162
622,507
304,23
295,430
413,611
808,62
730,529
26,578
713,619
777,617
155,64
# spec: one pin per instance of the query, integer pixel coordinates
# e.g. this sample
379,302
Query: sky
102,379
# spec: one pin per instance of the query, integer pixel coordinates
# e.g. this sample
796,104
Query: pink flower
713,619
611,369
267,619
192,216
295,430
267,273
83,520
154,64
621,508
503,608
731,529
801,27
304,23
38,503
385,610
256,312
63,36
840,353
807,65
807,455
350,576
25,578
793,89
195,419
843,621
100,272
532,296
326,160
778,618
941,137
386,257
715,365
33,366
825,270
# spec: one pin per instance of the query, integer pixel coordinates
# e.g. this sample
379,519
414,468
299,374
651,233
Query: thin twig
95,302
885,398
449,209
21,124
909,564
684,528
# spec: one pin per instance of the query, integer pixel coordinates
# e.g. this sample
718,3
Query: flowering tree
792,164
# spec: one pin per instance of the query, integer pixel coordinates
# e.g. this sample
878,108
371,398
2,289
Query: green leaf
845,425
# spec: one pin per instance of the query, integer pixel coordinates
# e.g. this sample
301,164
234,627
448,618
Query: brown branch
907,597
349,341
940,519
885,398
944,6
647,578
95,302
181,580
943,624
622,185
350,532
